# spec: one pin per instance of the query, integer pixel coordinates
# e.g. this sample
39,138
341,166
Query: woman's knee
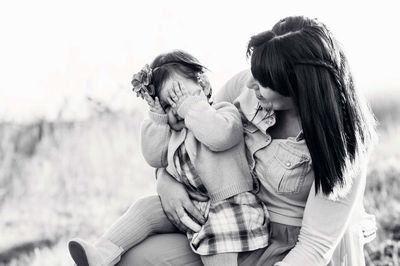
163,249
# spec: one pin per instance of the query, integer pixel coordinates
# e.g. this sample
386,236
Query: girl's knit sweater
214,141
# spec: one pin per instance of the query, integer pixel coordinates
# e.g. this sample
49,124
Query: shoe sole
78,254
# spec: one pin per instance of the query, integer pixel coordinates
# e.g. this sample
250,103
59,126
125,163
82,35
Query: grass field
62,179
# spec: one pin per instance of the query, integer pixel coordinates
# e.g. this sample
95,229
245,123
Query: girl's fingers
150,103
171,91
184,90
148,99
177,89
157,103
171,102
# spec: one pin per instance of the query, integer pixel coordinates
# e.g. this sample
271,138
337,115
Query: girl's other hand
176,203
177,94
154,105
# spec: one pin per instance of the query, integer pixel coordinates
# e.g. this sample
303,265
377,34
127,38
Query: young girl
202,146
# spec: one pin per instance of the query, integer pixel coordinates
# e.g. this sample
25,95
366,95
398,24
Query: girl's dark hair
177,61
300,58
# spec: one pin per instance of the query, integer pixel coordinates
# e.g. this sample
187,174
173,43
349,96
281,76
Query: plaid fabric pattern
187,172
236,224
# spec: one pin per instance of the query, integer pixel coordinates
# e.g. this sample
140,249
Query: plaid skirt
236,224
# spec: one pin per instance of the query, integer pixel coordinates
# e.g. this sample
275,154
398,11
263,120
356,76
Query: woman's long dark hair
300,58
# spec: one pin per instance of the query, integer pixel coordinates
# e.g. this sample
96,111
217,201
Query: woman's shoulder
233,87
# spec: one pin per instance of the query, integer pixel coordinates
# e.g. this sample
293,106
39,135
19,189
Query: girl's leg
228,259
144,218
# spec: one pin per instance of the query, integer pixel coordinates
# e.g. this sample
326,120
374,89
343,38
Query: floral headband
141,81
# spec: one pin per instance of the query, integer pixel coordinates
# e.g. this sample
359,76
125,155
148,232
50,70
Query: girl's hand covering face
174,121
177,94
154,105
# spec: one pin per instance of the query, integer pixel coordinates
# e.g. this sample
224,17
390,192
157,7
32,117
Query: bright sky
53,52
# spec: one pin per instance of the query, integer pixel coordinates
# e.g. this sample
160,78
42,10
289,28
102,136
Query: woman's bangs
259,68
269,69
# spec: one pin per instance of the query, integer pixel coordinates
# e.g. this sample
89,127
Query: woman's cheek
267,105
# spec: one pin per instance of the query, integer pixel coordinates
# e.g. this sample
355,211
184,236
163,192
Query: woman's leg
282,238
163,249
228,259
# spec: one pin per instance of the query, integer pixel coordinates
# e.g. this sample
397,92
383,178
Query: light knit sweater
214,141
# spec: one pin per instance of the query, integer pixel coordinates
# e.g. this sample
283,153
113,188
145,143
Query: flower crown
141,81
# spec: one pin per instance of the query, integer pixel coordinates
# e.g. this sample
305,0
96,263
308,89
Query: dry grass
62,179
73,180
382,196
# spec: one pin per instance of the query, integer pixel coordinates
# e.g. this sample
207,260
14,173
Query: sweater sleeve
324,224
219,127
233,87
155,135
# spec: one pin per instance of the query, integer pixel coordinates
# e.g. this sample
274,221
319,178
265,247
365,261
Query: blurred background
70,161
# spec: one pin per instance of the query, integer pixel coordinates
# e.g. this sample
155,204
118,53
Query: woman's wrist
163,179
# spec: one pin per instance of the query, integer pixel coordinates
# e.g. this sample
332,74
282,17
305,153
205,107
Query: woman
308,133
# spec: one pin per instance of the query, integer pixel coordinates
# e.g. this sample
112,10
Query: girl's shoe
103,253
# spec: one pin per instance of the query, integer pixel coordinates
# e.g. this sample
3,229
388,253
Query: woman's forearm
324,224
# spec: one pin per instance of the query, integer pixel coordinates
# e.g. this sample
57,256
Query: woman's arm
233,87
155,134
324,224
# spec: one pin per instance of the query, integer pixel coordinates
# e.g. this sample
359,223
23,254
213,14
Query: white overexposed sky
55,53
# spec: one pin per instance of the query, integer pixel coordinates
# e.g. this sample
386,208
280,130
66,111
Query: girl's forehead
176,77
168,84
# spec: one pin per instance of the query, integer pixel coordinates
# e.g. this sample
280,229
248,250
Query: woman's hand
154,105
176,203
